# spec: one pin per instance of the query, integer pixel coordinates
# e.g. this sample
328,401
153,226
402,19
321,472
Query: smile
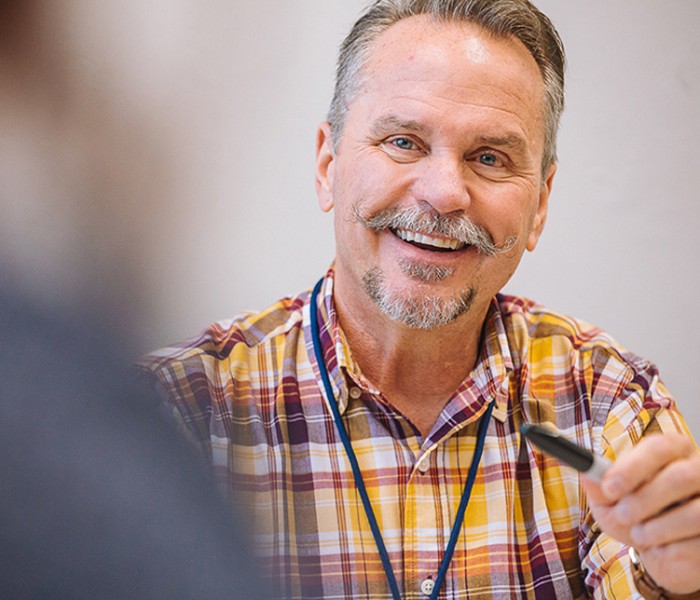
426,242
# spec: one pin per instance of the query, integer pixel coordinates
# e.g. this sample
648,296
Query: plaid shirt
249,392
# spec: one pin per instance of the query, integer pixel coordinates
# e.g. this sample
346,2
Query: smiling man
437,180
371,427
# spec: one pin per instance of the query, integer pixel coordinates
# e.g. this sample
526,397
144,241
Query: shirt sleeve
642,408
179,405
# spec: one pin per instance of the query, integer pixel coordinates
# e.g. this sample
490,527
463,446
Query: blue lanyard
357,474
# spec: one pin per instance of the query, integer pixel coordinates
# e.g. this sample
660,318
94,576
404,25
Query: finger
677,524
643,462
594,492
674,484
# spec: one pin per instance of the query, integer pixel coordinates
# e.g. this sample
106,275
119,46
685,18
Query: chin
417,306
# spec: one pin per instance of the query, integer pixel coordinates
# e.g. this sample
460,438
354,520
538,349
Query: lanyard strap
357,474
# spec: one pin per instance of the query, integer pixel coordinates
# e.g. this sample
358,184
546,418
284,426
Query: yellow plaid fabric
248,391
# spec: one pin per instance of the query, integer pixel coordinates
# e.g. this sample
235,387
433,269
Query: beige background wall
204,114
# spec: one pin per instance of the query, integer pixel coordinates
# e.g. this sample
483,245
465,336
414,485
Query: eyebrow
509,140
388,123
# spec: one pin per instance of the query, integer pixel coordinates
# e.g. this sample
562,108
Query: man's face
444,137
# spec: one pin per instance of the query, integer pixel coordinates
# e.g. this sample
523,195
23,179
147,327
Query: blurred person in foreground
373,424
100,495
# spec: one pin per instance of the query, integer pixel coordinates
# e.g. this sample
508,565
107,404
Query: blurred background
156,157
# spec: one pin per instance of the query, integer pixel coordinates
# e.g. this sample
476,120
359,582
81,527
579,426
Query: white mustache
462,228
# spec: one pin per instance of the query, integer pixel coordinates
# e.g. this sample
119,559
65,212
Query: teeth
413,236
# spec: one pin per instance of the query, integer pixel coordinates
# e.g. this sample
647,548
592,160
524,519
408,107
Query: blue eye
403,143
487,159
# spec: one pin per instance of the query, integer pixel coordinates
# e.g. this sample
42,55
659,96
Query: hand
650,499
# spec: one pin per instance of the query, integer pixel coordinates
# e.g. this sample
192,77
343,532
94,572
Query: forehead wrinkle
394,121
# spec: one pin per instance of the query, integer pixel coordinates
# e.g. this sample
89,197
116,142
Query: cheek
372,181
509,212
351,237
502,220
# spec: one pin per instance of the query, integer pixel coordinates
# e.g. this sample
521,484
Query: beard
417,309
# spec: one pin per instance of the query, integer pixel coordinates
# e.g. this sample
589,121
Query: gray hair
502,18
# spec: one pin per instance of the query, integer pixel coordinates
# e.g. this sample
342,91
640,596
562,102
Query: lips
427,242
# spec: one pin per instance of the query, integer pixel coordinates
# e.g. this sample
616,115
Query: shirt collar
490,378
333,355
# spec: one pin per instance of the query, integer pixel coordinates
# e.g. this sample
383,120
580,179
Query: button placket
427,518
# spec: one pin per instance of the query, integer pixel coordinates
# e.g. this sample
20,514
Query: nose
442,183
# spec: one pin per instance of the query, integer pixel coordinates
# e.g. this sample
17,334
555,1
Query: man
373,425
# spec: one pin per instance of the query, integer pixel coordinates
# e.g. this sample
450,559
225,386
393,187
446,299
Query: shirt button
355,392
424,466
427,586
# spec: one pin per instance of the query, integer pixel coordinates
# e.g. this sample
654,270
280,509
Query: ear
325,157
541,213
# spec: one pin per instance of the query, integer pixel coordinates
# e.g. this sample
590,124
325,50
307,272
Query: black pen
553,442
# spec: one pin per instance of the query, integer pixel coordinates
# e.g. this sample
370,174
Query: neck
416,370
